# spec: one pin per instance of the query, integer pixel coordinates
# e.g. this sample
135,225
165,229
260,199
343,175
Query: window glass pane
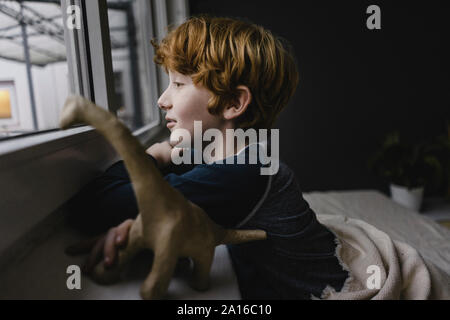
135,103
33,69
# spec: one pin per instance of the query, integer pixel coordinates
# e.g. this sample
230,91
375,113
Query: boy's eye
177,84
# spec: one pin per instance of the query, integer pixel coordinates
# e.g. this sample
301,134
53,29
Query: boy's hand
162,152
104,246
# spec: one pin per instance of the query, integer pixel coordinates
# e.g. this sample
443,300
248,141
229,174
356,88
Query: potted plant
410,168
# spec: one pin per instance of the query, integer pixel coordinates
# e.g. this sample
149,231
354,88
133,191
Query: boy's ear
239,106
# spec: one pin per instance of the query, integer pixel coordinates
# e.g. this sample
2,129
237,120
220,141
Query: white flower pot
410,198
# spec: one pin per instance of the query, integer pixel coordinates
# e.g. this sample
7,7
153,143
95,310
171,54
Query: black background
356,85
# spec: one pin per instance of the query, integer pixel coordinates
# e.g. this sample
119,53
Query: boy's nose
163,104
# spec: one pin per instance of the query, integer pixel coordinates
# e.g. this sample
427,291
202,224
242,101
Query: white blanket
381,268
401,224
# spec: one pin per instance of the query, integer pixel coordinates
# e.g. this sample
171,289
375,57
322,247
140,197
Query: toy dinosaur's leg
202,267
164,262
134,244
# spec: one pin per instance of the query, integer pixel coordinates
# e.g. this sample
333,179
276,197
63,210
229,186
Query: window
33,62
41,167
33,55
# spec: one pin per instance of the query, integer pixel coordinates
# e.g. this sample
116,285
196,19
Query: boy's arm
105,202
227,193
108,199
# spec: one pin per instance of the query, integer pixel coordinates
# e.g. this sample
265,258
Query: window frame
41,171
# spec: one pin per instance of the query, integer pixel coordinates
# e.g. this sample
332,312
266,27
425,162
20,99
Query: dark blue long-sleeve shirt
297,260
227,193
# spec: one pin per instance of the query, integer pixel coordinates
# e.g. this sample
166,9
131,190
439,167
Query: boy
228,74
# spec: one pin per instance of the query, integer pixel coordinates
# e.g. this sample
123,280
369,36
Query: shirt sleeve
104,202
227,193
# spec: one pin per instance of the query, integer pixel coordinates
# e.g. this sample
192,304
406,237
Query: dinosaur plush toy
167,223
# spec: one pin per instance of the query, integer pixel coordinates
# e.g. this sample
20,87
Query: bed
42,274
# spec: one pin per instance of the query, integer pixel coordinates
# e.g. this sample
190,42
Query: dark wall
356,84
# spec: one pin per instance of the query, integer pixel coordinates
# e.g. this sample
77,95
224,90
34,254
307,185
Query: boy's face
185,103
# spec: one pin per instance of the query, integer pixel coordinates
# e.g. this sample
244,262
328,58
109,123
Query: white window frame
41,171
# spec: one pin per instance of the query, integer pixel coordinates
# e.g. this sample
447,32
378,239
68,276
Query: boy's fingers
175,142
94,256
122,232
81,247
116,236
109,248
178,151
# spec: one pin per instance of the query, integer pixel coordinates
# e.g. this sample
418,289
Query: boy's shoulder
247,163
237,178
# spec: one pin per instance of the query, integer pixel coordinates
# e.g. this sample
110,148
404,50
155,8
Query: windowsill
18,142
19,148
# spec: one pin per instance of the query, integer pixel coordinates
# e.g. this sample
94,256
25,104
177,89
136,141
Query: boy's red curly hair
222,53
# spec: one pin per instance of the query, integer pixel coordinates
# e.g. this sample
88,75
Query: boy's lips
170,122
